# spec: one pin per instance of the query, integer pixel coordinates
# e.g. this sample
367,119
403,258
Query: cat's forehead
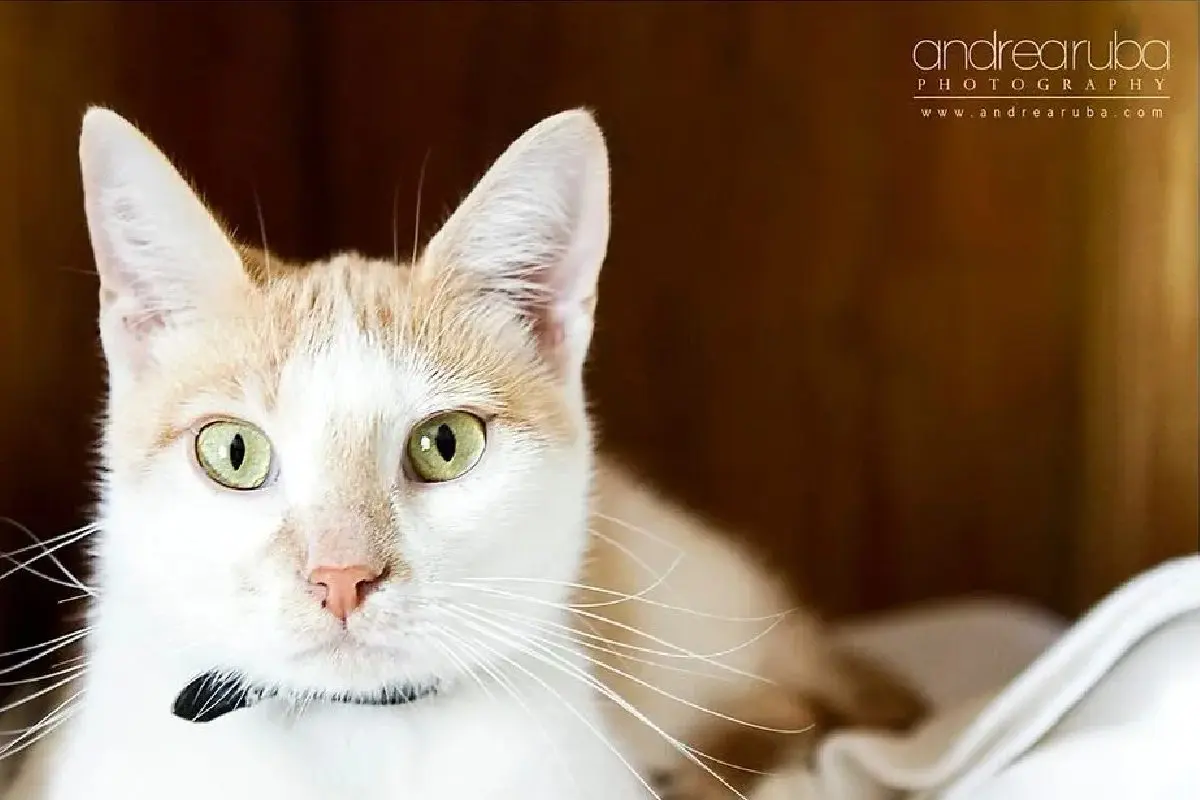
308,305
350,340
353,319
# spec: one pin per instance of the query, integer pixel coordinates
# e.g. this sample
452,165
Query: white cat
353,539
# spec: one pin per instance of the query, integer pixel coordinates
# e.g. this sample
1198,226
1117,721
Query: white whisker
57,639
262,229
634,557
37,573
629,526
701,754
565,632
40,729
40,678
566,668
502,680
463,667
40,693
90,528
46,552
417,210
44,649
680,652
624,597
665,693
574,711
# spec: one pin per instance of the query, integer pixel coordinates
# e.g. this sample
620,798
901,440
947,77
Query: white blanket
1028,709
1109,710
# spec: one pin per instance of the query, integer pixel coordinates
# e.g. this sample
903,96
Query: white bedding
1026,709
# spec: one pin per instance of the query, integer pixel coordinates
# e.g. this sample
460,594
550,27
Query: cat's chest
438,751
443,752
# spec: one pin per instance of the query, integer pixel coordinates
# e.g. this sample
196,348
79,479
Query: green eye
446,446
235,454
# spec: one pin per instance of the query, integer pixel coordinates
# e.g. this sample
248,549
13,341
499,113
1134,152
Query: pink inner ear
107,297
138,322
143,325
563,329
548,328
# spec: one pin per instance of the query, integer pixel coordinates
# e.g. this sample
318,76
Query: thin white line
1041,97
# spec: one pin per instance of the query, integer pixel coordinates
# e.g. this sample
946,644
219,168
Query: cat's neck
138,655
465,743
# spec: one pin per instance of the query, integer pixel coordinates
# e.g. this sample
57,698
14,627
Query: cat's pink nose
343,589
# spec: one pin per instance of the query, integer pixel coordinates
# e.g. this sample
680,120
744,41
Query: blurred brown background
972,343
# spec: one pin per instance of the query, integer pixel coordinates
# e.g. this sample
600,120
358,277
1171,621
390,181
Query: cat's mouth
216,693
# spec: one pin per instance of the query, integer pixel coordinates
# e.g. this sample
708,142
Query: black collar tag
212,696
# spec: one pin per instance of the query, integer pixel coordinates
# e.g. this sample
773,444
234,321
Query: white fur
185,574
704,572
537,226
189,576
714,599
160,254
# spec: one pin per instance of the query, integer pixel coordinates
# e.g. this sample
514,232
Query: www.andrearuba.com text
1007,111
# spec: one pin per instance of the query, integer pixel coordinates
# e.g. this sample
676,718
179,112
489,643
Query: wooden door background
970,346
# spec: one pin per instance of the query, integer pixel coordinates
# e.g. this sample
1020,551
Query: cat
354,537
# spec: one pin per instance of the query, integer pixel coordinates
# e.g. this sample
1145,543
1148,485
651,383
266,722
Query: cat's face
350,475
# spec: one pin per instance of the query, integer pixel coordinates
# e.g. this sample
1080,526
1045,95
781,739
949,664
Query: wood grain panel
850,331
907,356
1140,461
975,317
699,370
218,91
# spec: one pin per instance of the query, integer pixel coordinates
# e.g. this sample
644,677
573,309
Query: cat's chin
352,657
352,664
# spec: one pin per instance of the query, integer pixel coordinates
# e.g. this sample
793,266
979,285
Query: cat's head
336,477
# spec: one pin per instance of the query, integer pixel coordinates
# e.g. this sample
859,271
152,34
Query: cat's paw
688,782
691,782
732,763
874,697
793,781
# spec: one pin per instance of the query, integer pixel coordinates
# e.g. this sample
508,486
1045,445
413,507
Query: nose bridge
349,520
350,527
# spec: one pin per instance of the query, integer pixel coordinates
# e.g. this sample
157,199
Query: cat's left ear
534,231
163,258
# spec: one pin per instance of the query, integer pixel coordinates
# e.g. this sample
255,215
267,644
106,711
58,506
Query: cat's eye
446,446
235,454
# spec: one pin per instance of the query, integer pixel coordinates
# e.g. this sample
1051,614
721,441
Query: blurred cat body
569,624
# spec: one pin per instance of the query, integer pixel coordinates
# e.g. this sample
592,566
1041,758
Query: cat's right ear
534,233
162,257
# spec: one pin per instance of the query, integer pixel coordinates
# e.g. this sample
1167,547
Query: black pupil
237,451
445,442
